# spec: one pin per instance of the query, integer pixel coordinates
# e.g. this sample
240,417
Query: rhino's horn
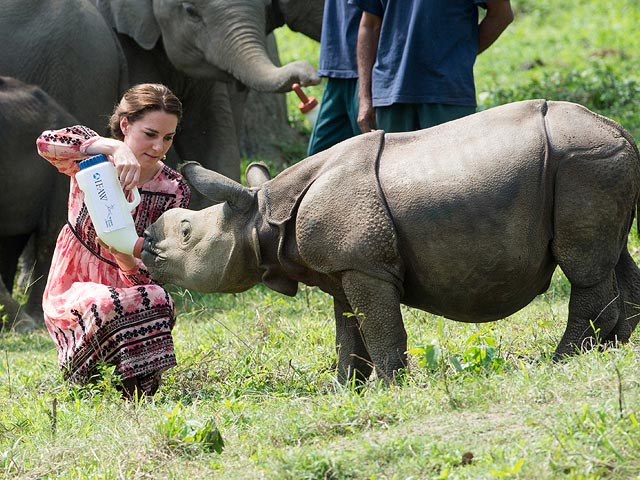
217,187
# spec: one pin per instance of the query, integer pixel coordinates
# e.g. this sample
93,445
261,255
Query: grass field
254,395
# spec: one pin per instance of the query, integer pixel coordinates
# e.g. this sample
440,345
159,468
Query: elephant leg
35,262
376,305
628,276
593,314
353,357
8,306
11,313
10,249
26,264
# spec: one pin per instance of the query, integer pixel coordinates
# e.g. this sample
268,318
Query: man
415,59
337,118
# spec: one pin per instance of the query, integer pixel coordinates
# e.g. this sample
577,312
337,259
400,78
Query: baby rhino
467,220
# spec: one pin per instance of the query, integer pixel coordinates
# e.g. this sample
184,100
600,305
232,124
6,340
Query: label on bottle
107,205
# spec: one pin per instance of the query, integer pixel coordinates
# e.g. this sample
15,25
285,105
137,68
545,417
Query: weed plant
255,394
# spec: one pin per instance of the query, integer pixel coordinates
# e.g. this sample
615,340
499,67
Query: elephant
72,70
66,48
208,52
218,38
34,198
69,49
467,220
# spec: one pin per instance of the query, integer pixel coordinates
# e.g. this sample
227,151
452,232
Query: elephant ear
301,16
217,187
133,18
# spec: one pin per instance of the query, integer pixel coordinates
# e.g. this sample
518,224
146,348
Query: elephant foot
23,323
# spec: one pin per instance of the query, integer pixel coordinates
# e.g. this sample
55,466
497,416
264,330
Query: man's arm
368,36
499,16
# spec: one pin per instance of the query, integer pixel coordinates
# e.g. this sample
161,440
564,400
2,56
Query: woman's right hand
127,166
125,161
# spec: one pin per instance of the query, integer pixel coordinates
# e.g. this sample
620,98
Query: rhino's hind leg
354,361
628,276
593,314
376,306
595,193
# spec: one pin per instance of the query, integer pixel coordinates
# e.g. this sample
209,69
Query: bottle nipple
307,105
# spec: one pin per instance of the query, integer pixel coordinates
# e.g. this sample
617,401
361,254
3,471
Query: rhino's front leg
376,305
353,357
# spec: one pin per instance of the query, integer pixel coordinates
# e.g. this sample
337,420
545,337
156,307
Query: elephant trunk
262,75
244,55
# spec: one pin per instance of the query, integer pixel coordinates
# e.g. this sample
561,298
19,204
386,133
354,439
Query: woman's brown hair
139,100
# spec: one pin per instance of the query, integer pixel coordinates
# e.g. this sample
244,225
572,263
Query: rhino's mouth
151,256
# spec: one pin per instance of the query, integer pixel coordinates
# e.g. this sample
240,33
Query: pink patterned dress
95,312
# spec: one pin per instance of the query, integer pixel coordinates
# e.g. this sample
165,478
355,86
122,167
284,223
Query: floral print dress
94,311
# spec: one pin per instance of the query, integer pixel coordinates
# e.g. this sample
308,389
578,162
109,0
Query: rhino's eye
185,230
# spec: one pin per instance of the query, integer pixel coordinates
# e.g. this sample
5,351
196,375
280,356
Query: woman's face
150,136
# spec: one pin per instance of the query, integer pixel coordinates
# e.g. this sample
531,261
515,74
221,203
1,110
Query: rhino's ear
217,187
257,173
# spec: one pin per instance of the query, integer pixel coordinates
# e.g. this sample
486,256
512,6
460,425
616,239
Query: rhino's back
471,202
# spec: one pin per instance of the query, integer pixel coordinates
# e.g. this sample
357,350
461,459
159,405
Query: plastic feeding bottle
308,106
109,210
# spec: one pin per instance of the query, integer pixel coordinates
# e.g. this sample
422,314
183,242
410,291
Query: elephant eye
185,230
191,11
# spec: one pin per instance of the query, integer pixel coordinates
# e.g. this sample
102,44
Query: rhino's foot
564,352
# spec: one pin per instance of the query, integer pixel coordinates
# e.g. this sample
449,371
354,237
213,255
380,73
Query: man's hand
366,116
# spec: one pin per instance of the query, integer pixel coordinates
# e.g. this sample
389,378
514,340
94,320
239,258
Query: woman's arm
64,148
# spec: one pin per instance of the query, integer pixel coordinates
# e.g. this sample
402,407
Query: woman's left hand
125,261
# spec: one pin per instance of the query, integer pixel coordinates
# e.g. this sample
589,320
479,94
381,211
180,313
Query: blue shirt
339,38
426,51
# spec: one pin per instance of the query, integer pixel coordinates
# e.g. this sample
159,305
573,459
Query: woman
100,305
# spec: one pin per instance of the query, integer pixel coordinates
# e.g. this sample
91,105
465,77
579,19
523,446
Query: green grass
257,368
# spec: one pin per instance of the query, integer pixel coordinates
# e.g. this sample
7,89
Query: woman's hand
125,261
125,161
127,166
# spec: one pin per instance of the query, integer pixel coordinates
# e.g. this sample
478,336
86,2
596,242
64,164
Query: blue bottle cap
91,161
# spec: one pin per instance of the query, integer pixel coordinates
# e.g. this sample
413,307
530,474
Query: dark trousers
338,115
406,117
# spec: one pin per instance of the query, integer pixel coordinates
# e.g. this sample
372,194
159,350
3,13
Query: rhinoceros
467,220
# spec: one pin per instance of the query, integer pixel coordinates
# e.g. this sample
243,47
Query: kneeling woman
100,305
